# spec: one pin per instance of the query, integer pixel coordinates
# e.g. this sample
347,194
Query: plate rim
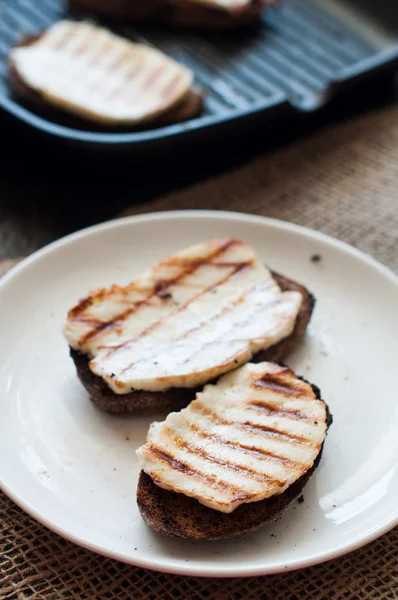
216,214
185,569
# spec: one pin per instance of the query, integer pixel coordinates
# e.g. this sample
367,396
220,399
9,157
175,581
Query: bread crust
176,398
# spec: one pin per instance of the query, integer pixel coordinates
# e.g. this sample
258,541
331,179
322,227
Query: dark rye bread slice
177,515
189,108
176,398
178,13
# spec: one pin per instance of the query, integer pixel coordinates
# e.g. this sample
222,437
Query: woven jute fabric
343,181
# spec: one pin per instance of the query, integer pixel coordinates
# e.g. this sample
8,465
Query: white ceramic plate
73,467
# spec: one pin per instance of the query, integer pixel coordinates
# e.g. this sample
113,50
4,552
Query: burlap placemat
343,181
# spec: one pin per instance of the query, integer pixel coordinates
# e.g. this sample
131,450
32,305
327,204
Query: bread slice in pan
236,458
88,72
202,312
196,14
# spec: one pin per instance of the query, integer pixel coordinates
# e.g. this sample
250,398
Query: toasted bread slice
176,515
112,82
174,399
229,458
192,14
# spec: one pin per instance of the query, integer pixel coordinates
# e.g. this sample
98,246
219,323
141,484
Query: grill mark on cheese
253,427
95,59
133,71
104,326
239,266
283,434
279,458
161,291
190,471
117,62
75,44
75,312
87,320
80,49
78,44
160,286
276,382
152,77
167,91
242,469
60,41
124,87
270,409
178,490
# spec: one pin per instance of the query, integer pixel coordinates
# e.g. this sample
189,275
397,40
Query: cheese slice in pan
233,7
229,6
189,319
245,439
87,70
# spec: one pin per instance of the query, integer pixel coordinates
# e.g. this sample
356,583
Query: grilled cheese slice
189,319
247,438
88,71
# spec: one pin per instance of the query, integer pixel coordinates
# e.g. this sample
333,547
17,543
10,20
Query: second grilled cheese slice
229,6
189,319
87,70
245,439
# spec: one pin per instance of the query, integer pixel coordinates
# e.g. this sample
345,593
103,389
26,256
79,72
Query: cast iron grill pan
296,58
